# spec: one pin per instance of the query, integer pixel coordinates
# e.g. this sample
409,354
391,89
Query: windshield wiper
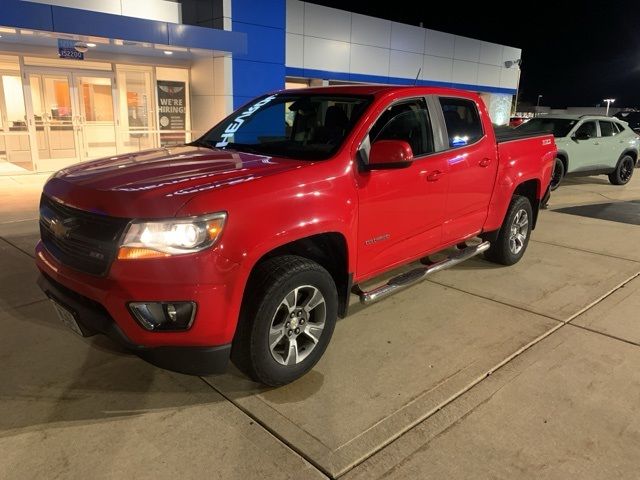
202,143
244,147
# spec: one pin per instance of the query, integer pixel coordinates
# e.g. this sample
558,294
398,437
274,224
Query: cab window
408,121
462,120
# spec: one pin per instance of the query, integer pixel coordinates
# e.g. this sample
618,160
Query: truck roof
377,89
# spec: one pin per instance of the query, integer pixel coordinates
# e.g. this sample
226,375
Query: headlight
171,237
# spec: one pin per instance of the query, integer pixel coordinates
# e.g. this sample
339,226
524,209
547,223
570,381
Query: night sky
574,53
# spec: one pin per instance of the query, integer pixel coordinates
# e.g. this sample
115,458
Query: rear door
611,143
472,165
401,210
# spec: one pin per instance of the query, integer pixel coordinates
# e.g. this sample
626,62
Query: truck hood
156,183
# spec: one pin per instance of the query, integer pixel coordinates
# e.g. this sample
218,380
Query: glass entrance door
97,119
74,117
53,117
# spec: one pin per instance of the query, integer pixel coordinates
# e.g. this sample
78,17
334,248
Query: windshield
559,127
298,125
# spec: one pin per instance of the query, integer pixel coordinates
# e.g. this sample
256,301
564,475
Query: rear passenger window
462,120
607,129
619,127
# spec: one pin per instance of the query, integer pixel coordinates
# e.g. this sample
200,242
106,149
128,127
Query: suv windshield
298,125
559,127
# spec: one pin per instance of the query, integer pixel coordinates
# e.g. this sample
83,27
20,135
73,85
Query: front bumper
93,318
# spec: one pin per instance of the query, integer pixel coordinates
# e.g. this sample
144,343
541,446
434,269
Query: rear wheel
287,319
558,174
513,237
623,172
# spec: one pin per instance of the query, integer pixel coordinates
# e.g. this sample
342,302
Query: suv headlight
176,236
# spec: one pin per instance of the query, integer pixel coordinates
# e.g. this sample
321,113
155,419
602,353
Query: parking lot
528,371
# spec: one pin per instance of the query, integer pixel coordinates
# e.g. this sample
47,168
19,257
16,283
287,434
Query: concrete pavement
482,372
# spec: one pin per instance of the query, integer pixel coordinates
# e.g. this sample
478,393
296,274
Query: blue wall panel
261,69
36,16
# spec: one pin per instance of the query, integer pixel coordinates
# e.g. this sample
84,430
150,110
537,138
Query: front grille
82,240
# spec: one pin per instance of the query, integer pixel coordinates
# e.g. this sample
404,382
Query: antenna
417,75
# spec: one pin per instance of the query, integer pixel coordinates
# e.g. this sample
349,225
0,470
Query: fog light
164,316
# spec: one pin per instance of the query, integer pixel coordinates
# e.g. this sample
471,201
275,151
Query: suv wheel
557,175
623,172
513,237
287,319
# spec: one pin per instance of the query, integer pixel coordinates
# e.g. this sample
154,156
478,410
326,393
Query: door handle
596,143
484,162
434,176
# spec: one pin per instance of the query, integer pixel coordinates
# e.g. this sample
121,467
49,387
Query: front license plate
67,317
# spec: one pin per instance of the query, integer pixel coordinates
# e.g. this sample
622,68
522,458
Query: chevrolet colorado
247,243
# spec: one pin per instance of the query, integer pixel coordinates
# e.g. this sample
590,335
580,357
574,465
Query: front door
585,149
401,210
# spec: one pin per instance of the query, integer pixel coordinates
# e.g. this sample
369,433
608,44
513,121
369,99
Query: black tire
557,174
502,250
272,281
623,172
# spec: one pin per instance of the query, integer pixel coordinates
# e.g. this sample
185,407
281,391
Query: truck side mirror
390,154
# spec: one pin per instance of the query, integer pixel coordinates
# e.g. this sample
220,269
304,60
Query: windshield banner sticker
239,120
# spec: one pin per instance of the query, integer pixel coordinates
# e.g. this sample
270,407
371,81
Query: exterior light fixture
608,101
91,45
168,52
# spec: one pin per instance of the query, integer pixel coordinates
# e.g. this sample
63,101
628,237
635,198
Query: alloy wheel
518,231
297,325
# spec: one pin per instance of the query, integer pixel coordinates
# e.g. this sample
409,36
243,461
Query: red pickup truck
247,243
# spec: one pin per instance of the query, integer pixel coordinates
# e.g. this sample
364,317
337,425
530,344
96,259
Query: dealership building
82,79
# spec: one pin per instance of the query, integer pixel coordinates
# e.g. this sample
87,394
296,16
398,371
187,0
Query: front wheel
286,321
513,237
623,172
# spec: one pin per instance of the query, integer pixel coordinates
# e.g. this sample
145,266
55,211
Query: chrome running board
416,275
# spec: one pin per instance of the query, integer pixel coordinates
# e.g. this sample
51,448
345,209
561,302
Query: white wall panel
439,44
369,60
407,38
372,31
324,22
404,64
491,53
295,17
464,72
509,77
161,10
488,75
466,49
321,54
294,50
436,68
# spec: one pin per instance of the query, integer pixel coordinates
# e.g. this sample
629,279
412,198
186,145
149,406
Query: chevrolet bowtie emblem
60,228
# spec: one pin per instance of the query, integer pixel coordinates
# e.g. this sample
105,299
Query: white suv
589,145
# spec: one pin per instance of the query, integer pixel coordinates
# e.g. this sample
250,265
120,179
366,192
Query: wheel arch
530,189
562,155
330,250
